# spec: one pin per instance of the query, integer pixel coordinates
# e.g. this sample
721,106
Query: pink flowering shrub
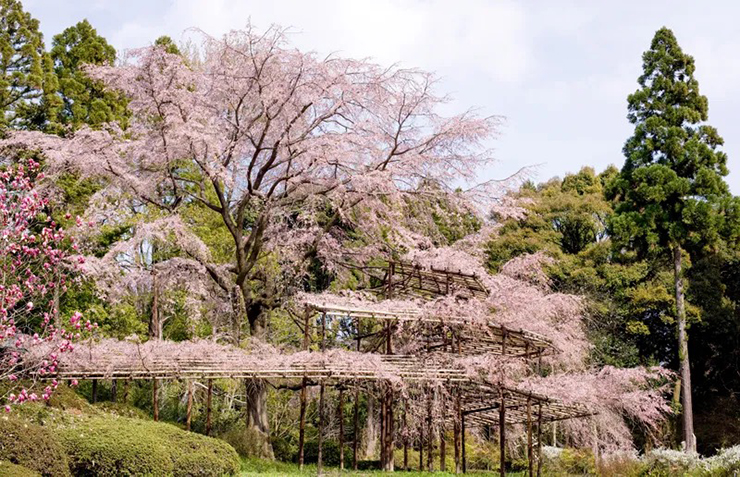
35,268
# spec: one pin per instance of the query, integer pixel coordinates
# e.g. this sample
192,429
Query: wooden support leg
114,390
502,435
189,409
124,398
530,456
340,417
302,425
383,403
155,399
462,427
356,430
390,432
319,463
94,391
421,447
209,406
405,437
430,434
539,440
456,433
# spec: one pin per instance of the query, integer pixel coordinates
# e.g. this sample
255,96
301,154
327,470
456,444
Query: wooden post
442,442
539,440
530,460
155,399
462,425
356,417
94,391
209,406
124,398
340,411
502,434
114,390
456,431
302,424
383,402
405,436
554,433
430,434
421,446
356,430
319,463
189,409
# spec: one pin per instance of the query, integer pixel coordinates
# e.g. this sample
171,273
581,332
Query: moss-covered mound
31,446
108,446
14,470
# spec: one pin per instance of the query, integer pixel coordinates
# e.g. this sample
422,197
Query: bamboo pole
209,406
189,410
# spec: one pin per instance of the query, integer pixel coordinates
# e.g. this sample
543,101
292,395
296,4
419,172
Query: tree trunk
371,429
683,354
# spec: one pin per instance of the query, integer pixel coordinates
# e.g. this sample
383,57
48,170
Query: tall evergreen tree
670,195
26,75
85,101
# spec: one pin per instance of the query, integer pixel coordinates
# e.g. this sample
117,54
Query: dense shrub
125,446
330,453
14,470
668,462
725,463
568,461
31,446
246,441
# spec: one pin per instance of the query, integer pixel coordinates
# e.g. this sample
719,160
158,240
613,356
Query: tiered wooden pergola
373,368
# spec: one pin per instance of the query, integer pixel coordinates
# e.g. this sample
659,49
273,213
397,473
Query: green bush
246,441
31,446
568,461
330,453
124,446
14,470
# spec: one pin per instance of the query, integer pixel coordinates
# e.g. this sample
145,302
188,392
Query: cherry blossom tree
288,149
35,268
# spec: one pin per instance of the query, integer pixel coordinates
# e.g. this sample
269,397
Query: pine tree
84,100
670,195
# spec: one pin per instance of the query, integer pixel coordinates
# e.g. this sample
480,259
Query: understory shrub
329,451
246,441
725,463
669,462
568,461
108,446
32,446
14,470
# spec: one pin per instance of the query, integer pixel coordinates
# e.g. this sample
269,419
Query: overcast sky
559,71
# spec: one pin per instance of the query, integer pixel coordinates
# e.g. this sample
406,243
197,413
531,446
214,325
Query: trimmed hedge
112,446
32,446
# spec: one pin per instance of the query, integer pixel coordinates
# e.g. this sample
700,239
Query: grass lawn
274,468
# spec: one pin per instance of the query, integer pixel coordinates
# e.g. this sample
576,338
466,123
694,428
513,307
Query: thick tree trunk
683,355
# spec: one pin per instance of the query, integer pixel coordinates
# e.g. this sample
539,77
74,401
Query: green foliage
9,469
25,70
247,442
123,446
31,446
670,191
168,45
85,101
330,453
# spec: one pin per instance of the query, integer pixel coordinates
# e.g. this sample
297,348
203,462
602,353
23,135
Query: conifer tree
26,75
670,195
84,100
